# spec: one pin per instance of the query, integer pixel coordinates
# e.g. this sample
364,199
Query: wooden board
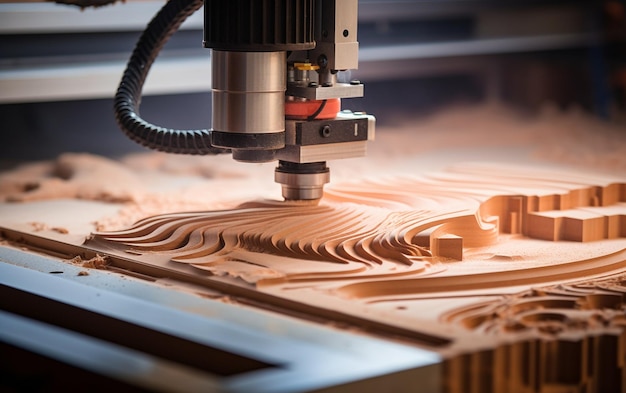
513,270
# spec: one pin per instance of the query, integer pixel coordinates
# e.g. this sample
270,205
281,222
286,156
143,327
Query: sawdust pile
71,175
97,262
571,137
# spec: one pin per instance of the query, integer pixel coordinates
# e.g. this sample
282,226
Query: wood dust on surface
144,184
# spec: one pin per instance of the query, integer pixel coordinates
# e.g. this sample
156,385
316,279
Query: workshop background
60,66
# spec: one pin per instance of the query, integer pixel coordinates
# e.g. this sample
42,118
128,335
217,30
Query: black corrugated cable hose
165,23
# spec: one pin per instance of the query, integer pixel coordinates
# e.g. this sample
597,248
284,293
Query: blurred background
60,66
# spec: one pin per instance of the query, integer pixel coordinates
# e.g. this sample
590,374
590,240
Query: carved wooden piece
516,276
535,304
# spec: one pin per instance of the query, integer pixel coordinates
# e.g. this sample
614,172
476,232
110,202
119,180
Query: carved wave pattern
376,228
347,240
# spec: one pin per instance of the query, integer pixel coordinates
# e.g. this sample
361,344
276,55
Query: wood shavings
38,226
97,262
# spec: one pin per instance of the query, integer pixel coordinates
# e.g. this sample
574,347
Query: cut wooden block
575,225
584,229
448,246
544,227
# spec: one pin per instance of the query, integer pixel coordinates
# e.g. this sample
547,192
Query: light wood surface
497,245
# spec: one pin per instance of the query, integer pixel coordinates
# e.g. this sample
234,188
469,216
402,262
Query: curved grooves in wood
398,228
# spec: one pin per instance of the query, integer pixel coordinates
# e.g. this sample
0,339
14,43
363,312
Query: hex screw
322,61
325,131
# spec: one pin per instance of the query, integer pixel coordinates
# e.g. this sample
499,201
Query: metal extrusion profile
86,326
